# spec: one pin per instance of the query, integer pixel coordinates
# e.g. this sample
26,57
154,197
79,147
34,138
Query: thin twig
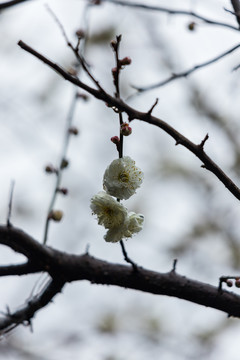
60,167
26,313
69,121
171,12
77,53
10,204
187,72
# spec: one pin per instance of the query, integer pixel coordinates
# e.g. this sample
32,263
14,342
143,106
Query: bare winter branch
170,12
187,72
65,268
209,164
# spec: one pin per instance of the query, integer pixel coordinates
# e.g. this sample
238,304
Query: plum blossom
110,212
122,177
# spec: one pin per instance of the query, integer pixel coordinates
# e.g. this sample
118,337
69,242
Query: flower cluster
121,179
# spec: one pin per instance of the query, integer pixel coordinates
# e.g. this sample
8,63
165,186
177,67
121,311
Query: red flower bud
115,140
125,129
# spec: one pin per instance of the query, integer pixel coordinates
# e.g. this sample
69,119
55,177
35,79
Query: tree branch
8,4
111,101
170,12
65,268
236,7
27,312
187,72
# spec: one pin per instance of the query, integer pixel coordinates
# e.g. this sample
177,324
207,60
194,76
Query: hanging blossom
133,225
110,213
122,177
114,217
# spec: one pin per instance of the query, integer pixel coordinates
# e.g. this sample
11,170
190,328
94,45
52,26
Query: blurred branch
8,4
170,12
114,102
69,120
236,7
187,72
27,312
64,268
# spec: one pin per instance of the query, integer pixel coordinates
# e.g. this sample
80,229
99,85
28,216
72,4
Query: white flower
122,178
110,213
115,234
134,224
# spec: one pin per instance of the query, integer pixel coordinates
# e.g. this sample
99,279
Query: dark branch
8,4
170,12
236,7
187,72
67,268
21,269
209,164
27,312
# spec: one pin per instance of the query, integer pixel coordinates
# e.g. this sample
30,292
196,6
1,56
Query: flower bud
113,44
125,61
237,283
80,33
55,215
63,191
64,163
115,140
229,283
125,129
50,169
192,26
73,130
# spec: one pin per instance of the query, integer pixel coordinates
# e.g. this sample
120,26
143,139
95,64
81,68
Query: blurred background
189,215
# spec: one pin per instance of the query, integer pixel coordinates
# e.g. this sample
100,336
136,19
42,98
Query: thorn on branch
151,109
178,142
50,169
10,204
174,265
201,145
87,249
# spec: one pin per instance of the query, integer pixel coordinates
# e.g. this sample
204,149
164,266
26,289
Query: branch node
178,142
201,145
151,109
174,265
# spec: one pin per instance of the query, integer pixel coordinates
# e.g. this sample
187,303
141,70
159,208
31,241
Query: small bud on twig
125,129
55,215
114,44
64,163
73,130
125,61
80,33
192,26
63,191
50,169
115,140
